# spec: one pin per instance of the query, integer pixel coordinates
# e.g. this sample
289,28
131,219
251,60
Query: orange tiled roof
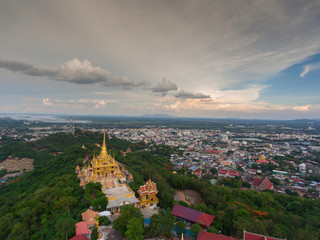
89,217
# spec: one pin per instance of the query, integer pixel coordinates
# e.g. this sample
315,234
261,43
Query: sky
204,58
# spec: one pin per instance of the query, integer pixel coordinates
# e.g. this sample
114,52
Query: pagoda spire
104,152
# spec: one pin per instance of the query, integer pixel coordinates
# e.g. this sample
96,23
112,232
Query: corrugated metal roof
186,213
212,236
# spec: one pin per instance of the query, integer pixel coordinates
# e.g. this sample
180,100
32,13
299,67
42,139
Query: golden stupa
103,168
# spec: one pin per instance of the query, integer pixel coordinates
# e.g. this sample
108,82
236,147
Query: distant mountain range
158,116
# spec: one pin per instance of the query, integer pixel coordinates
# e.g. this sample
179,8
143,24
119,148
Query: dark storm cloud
164,86
74,71
15,66
184,94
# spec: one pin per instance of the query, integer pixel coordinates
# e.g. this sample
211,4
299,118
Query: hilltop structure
106,170
103,168
148,194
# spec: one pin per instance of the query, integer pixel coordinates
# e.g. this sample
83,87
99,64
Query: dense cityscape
279,158
287,156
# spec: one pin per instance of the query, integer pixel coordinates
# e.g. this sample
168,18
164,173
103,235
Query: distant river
248,139
41,118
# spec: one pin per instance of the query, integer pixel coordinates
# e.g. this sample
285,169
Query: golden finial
104,152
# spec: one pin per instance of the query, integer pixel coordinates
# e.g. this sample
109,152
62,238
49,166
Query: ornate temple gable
149,188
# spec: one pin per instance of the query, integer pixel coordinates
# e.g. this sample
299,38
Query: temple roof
263,183
149,187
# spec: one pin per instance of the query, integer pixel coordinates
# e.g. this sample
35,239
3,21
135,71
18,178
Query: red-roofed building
197,172
191,216
262,161
79,237
223,172
82,228
228,173
262,184
89,217
212,236
213,151
254,236
205,219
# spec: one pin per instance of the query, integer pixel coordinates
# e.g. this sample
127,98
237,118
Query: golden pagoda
104,165
262,158
148,194
103,168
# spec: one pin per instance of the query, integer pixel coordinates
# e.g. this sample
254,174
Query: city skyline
210,59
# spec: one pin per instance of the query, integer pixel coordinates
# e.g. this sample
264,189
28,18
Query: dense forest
46,202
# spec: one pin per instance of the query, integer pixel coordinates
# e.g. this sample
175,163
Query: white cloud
308,68
247,95
301,108
305,70
47,102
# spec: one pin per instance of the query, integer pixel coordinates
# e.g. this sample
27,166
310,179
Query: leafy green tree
95,197
66,226
127,212
212,229
95,203
246,185
135,229
214,171
94,234
160,224
166,199
181,228
279,231
195,228
182,203
275,181
241,213
104,221
66,202
3,172
20,231
6,225
241,224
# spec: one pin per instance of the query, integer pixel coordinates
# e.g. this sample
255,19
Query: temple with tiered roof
103,168
113,178
147,194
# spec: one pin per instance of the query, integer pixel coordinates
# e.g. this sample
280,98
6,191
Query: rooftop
118,190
